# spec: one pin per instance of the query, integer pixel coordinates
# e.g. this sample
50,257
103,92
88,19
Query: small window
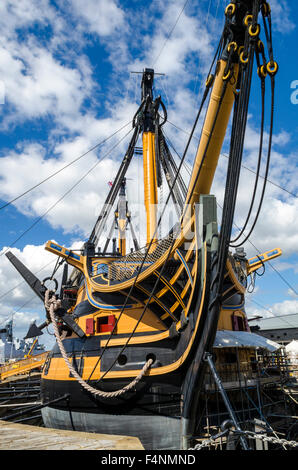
230,358
105,324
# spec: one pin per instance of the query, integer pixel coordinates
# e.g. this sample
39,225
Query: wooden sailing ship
158,312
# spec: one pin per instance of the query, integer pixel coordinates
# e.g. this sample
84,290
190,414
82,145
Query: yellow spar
201,184
150,184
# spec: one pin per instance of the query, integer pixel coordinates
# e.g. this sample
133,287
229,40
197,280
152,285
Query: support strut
208,359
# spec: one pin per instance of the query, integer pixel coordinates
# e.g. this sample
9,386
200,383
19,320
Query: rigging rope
268,262
264,185
65,194
219,257
248,435
150,244
16,311
243,166
22,282
51,305
258,47
208,86
259,162
269,181
170,33
63,168
233,174
111,197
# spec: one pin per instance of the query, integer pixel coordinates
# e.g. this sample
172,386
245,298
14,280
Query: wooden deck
23,437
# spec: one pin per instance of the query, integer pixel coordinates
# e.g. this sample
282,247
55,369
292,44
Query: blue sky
65,71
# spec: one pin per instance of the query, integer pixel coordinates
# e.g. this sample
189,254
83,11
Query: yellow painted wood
150,184
127,322
175,365
66,254
22,366
122,236
127,284
122,245
136,339
155,299
225,319
60,372
255,263
58,369
171,288
234,279
202,184
183,293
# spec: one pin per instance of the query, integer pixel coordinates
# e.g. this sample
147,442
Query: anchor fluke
34,331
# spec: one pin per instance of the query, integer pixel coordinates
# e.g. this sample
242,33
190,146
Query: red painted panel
105,324
89,326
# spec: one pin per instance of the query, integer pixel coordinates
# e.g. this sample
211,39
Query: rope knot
52,304
50,300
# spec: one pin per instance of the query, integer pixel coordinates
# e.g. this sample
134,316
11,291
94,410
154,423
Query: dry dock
23,437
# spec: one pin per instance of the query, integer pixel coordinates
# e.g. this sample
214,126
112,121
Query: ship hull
151,413
161,410
157,432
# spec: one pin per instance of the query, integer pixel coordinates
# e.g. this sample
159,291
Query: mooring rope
51,305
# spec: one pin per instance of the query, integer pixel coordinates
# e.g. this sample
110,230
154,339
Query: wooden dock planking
15,436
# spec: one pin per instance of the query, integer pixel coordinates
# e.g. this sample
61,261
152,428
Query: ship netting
130,265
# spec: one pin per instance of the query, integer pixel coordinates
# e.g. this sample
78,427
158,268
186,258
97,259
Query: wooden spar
150,184
201,179
149,157
122,218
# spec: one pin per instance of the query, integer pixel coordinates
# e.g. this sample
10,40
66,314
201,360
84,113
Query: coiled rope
51,305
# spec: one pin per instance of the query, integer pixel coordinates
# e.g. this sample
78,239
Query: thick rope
52,304
249,435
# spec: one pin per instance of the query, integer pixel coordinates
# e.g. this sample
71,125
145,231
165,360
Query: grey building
282,329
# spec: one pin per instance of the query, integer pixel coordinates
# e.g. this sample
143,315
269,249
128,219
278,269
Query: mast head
122,187
147,83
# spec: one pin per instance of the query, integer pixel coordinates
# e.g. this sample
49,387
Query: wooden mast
203,173
149,158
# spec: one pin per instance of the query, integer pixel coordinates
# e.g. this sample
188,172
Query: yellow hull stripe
62,372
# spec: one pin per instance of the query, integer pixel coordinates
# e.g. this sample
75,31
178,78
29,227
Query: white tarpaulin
240,339
292,346
292,351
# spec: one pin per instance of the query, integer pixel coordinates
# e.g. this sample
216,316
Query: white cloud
281,16
17,300
102,17
60,90
37,85
177,55
41,84
49,75
23,169
291,293
16,15
287,307
277,223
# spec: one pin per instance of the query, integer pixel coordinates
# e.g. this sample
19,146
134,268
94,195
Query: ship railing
22,366
241,374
